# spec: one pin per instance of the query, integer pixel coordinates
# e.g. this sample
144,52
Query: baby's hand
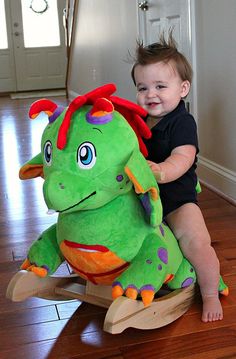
156,169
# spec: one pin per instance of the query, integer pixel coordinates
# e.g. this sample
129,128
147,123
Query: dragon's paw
146,292
39,271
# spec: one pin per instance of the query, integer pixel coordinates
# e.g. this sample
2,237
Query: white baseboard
218,178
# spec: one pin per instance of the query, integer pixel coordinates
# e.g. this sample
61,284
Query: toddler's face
159,88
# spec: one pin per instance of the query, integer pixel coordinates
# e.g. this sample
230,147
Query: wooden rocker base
122,313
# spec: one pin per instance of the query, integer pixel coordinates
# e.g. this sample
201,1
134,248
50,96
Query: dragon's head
85,149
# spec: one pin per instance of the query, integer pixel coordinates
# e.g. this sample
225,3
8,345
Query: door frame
10,82
192,15
70,25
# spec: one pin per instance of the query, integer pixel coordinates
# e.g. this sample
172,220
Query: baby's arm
180,160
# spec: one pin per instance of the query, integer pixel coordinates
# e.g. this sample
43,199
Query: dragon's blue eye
86,155
48,153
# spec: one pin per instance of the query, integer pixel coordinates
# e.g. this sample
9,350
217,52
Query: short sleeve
184,132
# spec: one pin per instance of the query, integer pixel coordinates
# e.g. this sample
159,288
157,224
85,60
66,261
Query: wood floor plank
18,336
43,350
28,316
38,350
219,343
88,334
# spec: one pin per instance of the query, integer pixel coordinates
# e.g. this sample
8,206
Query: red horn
42,105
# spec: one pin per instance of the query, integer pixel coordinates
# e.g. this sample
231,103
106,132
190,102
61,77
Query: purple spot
163,255
191,270
162,230
145,203
149,261
187,282
159,267
119,178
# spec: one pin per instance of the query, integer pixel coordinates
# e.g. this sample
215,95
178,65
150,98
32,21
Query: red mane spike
129,105
102,105
62,133
132,112
42,105
89,98
134,115
103,91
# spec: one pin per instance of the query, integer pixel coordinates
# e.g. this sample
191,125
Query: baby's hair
163,51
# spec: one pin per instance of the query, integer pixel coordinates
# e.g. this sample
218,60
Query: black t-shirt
177,128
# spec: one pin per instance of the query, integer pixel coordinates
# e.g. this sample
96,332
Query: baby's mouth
153,104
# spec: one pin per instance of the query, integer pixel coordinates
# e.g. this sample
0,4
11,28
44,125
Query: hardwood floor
37,328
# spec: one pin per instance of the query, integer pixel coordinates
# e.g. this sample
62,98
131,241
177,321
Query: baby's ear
145,186
185,88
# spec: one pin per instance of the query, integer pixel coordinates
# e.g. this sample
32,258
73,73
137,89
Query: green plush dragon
109,226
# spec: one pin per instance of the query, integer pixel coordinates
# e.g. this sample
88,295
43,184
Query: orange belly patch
94,263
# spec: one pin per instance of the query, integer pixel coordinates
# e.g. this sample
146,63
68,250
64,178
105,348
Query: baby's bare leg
189,227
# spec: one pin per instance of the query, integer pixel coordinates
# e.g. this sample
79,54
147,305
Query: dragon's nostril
61,185
119,178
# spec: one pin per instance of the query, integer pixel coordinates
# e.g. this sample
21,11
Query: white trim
218,178
141,21
220,170
192,16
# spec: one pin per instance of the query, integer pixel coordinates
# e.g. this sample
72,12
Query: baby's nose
152,92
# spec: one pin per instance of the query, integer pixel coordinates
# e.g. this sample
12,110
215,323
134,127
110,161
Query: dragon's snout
64,192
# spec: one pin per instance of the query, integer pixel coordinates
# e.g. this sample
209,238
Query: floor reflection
21,201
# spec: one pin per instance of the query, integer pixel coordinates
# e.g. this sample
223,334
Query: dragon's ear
145,185
32,168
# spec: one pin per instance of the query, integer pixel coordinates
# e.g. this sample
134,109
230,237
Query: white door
34,54
158,16
7,65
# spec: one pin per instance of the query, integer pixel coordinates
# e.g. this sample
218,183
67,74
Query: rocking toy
109,228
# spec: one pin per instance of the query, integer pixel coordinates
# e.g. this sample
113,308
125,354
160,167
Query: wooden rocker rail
122,313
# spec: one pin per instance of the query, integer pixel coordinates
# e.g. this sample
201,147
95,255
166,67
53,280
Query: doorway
156,17
32,46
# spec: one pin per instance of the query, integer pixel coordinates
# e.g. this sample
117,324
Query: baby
162,76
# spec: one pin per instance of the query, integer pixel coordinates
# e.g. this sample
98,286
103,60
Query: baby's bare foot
212,309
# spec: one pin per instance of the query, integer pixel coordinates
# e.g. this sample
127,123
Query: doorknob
143,5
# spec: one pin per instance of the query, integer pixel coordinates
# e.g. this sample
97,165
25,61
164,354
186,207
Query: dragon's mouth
74,205
87,248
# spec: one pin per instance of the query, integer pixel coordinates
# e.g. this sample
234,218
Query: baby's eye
159,87
141,89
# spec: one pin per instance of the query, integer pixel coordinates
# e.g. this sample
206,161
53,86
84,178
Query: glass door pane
3,27
40,29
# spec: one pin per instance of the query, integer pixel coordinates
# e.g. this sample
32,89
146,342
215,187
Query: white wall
216,93
105,32
107,29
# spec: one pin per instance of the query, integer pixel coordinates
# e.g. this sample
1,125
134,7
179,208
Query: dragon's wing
145,185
